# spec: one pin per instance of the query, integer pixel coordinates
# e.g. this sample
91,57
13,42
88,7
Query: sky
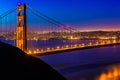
79,14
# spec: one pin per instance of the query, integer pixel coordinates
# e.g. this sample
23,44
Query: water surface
89,64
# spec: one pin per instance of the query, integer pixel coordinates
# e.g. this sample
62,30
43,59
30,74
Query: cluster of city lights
75,46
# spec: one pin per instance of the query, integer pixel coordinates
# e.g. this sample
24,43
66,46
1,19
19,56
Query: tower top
19,3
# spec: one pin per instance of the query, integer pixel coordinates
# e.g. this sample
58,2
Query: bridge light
62,47
58,47
71,37
29,52
48,49
108,42
67,46
37,49
114,41
102,43
97,43
34,52
52,48
119,41
90,44
71,46
83,45
42,50
79,45
75,45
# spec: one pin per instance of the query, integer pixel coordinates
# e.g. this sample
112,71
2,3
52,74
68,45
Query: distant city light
68,26
61,27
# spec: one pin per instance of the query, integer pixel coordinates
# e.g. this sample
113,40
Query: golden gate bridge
20,26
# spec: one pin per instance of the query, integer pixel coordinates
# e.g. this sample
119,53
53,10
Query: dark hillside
15,64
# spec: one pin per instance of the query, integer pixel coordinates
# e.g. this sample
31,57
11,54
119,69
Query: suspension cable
39,14
8,12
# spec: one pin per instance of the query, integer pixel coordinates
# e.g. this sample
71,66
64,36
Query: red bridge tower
21,32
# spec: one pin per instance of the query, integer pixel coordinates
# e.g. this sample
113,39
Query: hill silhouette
15,64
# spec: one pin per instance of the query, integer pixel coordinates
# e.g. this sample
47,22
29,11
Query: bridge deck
67,49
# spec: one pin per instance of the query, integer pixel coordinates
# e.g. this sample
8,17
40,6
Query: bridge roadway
72,48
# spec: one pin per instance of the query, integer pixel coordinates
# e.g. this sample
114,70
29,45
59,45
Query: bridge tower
21,32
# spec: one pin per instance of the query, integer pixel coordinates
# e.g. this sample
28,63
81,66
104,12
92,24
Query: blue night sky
82,14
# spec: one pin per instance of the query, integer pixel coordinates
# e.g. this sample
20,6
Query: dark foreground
15,64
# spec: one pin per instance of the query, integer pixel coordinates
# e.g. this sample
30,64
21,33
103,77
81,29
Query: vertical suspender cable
0,25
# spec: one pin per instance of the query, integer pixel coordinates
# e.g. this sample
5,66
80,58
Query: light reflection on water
111,73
